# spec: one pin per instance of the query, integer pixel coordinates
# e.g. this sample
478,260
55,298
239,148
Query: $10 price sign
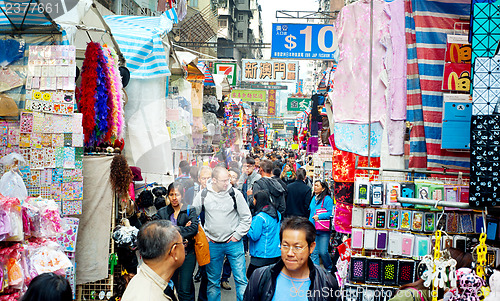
304,41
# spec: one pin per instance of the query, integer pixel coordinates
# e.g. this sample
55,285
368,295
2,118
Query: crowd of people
260,206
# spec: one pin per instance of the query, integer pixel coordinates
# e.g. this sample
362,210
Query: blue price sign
304,41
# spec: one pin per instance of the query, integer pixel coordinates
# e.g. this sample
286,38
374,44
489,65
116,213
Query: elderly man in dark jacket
294,277
299,196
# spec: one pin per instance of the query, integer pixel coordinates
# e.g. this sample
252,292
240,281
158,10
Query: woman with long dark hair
185,218
263,236
48,287
288,174
320,209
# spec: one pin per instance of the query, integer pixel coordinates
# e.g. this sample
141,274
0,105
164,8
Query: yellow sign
249,95
295,146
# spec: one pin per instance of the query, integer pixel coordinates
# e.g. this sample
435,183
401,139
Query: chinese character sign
304,41
297,104
271,103
249,95
270,71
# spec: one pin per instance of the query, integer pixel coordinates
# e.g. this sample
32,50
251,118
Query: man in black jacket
270,185
294,277
299,196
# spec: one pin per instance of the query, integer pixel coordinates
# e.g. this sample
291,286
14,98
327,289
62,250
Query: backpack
204,195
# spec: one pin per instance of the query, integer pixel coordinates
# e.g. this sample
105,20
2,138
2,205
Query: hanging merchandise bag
11,183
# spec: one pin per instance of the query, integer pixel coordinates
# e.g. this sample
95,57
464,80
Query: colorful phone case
417,221
381,217
392,192
429,222
376,194
393,220
423,245
369,221
406,217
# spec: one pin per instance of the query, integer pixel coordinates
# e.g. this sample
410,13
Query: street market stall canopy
141,39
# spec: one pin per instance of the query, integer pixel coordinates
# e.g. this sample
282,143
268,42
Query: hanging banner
249,95
297,104
228,69
271,103
270,71
304,41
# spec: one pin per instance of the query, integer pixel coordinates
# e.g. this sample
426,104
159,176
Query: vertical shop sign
271,102
270,71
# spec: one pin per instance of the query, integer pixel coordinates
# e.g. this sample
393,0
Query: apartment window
193,3
222,23
241,17
240,33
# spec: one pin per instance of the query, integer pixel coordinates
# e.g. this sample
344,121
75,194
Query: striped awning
141,42
209,79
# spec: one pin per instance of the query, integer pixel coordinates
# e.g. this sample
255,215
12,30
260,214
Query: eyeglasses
295,249
184,242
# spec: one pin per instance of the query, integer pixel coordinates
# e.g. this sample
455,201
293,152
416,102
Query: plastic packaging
11,183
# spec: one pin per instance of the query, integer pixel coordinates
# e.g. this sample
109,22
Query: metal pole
370,80
433,203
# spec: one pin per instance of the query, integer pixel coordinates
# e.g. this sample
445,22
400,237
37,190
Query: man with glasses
294,277
227,220
249,176
162,249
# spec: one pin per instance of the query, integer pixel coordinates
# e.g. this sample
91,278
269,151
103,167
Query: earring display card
406,217
377,194
373,270
381,240
357,238
406,272
370,239
389,272
358,266
369,221
393,220
394,247
357,217
407,244
392,193
381,217
429,222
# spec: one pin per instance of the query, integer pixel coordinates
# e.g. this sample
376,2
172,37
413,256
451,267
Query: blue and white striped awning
141,42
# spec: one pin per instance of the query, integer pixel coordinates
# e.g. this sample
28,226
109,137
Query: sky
269,8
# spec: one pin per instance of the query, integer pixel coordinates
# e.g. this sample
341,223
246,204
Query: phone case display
408,190
361,191
394,247
406,272
381,217
376,194
393,221
392,192
422,246
407,244
429,222
389,272
381,240
357,268
369,221
370,239
357,217
373,270
406,220
357,238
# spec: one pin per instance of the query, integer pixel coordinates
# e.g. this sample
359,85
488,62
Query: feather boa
116,114
88,92
120,123
102,96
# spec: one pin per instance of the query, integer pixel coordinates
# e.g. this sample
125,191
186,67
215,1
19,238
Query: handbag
322,224
343,217
201,247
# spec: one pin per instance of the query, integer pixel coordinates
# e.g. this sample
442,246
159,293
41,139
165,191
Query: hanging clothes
351,89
